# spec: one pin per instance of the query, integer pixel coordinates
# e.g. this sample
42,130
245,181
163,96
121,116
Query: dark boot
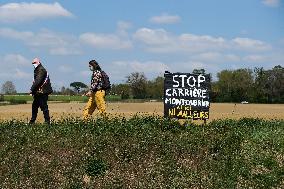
35,107
34,116
31,122
46,117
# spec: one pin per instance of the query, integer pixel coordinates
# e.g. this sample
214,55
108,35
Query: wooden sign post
186,96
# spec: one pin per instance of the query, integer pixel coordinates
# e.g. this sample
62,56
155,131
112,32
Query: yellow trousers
96,100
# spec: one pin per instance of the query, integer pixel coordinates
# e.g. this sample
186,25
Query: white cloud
137,66
154,37
150,68
165,19
105,41
49,39
158,40
21,12
66,44
122,28
13,34
85,73
19,74
161,41
271,3
65,51
122,25
65,69
189,66
250,44
15,67
255,58
273,59
55,43
10,61
216,57
195,43
119,40
203,51
244,32
281,42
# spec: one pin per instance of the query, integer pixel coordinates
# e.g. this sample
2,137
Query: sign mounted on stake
186,96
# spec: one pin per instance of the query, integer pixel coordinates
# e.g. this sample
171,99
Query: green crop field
142,152
61,98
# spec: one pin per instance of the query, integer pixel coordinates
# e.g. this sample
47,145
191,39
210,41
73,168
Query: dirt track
217,110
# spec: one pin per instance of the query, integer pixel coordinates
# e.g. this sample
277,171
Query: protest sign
186,96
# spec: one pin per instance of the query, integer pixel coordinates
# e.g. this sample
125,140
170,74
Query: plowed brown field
217,110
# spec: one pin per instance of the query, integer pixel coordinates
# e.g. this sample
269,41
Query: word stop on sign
190,81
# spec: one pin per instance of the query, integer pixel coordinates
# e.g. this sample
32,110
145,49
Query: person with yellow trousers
96,93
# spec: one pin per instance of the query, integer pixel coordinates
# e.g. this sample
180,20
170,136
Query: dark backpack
105,81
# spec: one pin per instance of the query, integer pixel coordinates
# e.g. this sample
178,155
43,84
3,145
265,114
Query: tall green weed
142,152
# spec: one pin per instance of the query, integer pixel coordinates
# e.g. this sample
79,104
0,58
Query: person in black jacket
40,90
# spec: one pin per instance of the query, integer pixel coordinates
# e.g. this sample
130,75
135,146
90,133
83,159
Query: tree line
257,85
253,85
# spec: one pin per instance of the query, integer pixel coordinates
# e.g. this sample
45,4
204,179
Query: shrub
95,167
17,101
142,152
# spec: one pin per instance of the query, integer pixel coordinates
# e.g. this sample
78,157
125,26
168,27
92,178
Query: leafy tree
224,85
198,71
259,92
78,86
278,83
121,89
155,88
242,85
274,84
9,88
269,85
214,92
66,91
234,85
138,85
63,89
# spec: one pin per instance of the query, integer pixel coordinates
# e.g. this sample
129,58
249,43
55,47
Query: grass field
142,152
134,147
61,98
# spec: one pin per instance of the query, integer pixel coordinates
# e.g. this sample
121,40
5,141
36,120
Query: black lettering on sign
186,96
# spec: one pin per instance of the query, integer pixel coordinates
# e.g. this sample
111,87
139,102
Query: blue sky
128,36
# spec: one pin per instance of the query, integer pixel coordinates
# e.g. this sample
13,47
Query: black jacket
41,84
